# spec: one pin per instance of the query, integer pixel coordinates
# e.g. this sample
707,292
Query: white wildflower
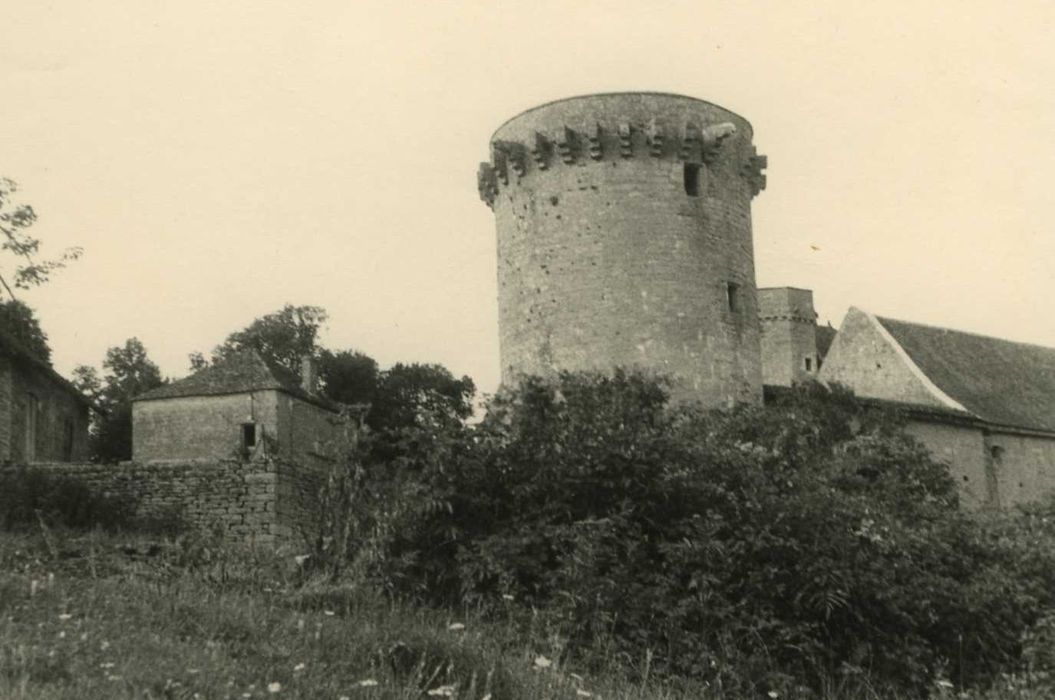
274,687
300,667
367,683
444,691
65,616
583,693
542,662
328,613
456,626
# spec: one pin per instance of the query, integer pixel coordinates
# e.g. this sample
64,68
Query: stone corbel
568,145
626,140
690,142
751,170
516,156
487,183
594,136
541,151
713,136
654,133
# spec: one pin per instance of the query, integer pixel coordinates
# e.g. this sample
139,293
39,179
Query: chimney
308,380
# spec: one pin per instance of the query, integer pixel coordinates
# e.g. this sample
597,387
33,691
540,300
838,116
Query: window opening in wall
809,365
248,436
692,179
732,296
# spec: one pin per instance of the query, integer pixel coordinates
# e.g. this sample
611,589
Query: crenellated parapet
689,142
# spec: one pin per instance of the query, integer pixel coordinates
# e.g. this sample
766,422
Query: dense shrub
29,496
757,548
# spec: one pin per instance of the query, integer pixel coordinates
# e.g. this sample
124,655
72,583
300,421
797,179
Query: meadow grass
98,616
94,616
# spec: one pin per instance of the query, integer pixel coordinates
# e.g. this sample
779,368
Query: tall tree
348,376
30,270
283,337
405,390
129,372
19,322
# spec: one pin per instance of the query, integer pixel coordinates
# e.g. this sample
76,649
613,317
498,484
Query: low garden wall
264,501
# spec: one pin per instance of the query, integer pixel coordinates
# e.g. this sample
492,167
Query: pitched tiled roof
240,373
1000,381
824,335
11,347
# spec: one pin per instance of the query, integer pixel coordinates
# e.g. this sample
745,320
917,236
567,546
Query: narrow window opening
732,296
692,179
809,365
248,435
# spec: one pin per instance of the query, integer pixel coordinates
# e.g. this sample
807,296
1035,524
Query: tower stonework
624,239
789,335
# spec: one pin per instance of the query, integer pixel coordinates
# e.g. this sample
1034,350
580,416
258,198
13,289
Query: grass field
92,616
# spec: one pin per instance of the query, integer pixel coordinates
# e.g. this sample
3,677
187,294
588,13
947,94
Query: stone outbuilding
984,405
241,407
43,417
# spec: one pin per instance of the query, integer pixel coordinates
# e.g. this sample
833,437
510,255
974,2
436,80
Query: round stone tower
624,239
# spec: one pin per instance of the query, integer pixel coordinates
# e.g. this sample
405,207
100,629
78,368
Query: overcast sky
219,159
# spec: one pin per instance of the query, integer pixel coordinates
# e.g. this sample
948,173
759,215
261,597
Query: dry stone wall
260,501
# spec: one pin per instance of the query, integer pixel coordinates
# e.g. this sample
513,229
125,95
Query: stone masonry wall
624,238
200,427
239,497
60,420
789,335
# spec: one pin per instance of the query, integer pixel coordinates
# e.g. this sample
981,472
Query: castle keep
624,238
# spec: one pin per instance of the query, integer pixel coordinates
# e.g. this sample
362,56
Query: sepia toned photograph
503,350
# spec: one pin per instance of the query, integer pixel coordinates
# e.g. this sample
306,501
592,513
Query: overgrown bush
762,549
30,496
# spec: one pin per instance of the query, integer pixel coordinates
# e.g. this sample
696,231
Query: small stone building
43,418
984,405
241,407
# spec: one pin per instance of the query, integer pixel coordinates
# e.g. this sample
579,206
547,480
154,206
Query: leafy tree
15,219
197,361
19,321
284,337
86,379
405,390
129,372
348,376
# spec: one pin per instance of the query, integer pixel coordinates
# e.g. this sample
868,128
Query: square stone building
240,407
43,418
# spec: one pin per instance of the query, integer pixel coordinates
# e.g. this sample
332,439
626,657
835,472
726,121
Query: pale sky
216,160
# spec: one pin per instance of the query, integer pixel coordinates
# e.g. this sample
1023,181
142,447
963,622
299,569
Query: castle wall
962,448
39,420
201,427
604,256
1023,467
789,335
